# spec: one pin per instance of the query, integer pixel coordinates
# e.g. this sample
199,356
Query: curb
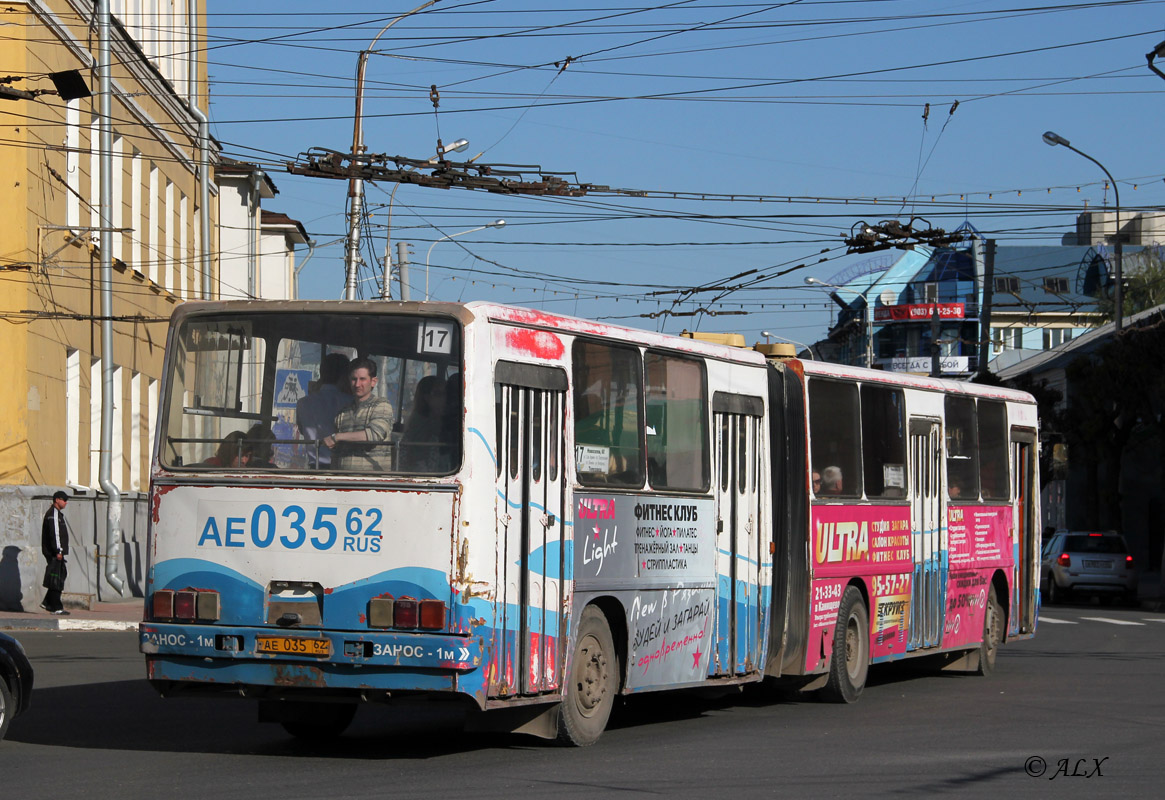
67,625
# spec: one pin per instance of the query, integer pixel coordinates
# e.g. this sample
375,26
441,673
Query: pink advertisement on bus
860,540
978,536
851,539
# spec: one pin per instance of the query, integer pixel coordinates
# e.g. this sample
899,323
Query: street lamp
867,316
1159,50
1054,139
806,348
497,223
356,184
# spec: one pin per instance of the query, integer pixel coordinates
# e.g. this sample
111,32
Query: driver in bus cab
363,428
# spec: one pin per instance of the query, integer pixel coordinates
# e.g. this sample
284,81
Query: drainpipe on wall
105,473
254,202
203,147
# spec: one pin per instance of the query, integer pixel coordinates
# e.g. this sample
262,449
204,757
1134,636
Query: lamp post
867,315
497,223
356,184
1054,139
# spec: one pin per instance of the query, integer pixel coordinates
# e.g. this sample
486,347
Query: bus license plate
293,645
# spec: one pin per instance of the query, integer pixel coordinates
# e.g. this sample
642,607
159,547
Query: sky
748,139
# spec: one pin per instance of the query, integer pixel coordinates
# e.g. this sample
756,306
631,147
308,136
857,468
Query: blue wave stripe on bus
553,552
510,503
744,558
488,449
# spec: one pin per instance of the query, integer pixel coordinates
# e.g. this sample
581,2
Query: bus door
926,523
530,611
737,422
1024,491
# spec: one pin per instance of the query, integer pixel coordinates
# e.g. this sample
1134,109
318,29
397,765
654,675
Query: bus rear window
354,393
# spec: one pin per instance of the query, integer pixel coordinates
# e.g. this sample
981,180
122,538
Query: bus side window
884,441
836,437
994,465
675,398
608,415
962,449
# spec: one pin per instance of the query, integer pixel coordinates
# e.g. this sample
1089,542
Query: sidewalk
120,616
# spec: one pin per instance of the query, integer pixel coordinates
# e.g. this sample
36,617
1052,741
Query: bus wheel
593,683
319,721
992,634
851,650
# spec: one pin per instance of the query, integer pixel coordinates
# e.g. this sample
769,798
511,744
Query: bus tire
851,650
319,721
593,682
992,634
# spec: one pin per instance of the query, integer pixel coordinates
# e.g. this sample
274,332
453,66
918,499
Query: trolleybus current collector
532,514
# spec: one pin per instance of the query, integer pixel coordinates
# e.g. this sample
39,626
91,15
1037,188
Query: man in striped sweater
54,543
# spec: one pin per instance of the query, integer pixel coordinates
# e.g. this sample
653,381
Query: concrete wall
22,510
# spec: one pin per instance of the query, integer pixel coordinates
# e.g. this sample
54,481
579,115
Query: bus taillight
432,614
405,614
187,604
163,606
385,612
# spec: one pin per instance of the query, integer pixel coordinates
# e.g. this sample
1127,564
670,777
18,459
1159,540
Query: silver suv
1087,562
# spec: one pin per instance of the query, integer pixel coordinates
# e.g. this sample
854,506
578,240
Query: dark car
1087,563
15,681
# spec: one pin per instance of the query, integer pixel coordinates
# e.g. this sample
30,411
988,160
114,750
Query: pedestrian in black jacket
54,543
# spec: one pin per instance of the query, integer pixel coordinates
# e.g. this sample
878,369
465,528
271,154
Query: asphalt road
1083,699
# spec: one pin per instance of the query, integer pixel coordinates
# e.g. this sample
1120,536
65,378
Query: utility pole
988,299
402,265
935,331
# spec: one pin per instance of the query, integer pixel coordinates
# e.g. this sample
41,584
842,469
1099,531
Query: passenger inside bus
315,413
261,442
363,428
422,447
831,482
232,451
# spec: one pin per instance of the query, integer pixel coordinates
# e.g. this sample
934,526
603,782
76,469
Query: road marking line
1113,621
1153,619
1055,621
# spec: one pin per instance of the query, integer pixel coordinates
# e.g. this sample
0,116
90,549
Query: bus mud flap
533,720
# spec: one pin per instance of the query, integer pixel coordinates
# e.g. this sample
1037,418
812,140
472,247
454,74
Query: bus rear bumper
344,660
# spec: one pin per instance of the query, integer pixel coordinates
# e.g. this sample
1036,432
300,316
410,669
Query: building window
72,416
94,420
1006,339
1054,337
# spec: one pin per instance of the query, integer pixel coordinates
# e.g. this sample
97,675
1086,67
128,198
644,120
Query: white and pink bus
377,502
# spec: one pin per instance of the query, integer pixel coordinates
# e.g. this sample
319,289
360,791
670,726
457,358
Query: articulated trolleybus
533,514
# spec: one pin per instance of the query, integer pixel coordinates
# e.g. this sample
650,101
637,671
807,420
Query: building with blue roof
1037,298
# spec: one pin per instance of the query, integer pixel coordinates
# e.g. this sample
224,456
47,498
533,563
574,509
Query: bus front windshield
348,393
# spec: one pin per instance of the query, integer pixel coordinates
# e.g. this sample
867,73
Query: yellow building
50,277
